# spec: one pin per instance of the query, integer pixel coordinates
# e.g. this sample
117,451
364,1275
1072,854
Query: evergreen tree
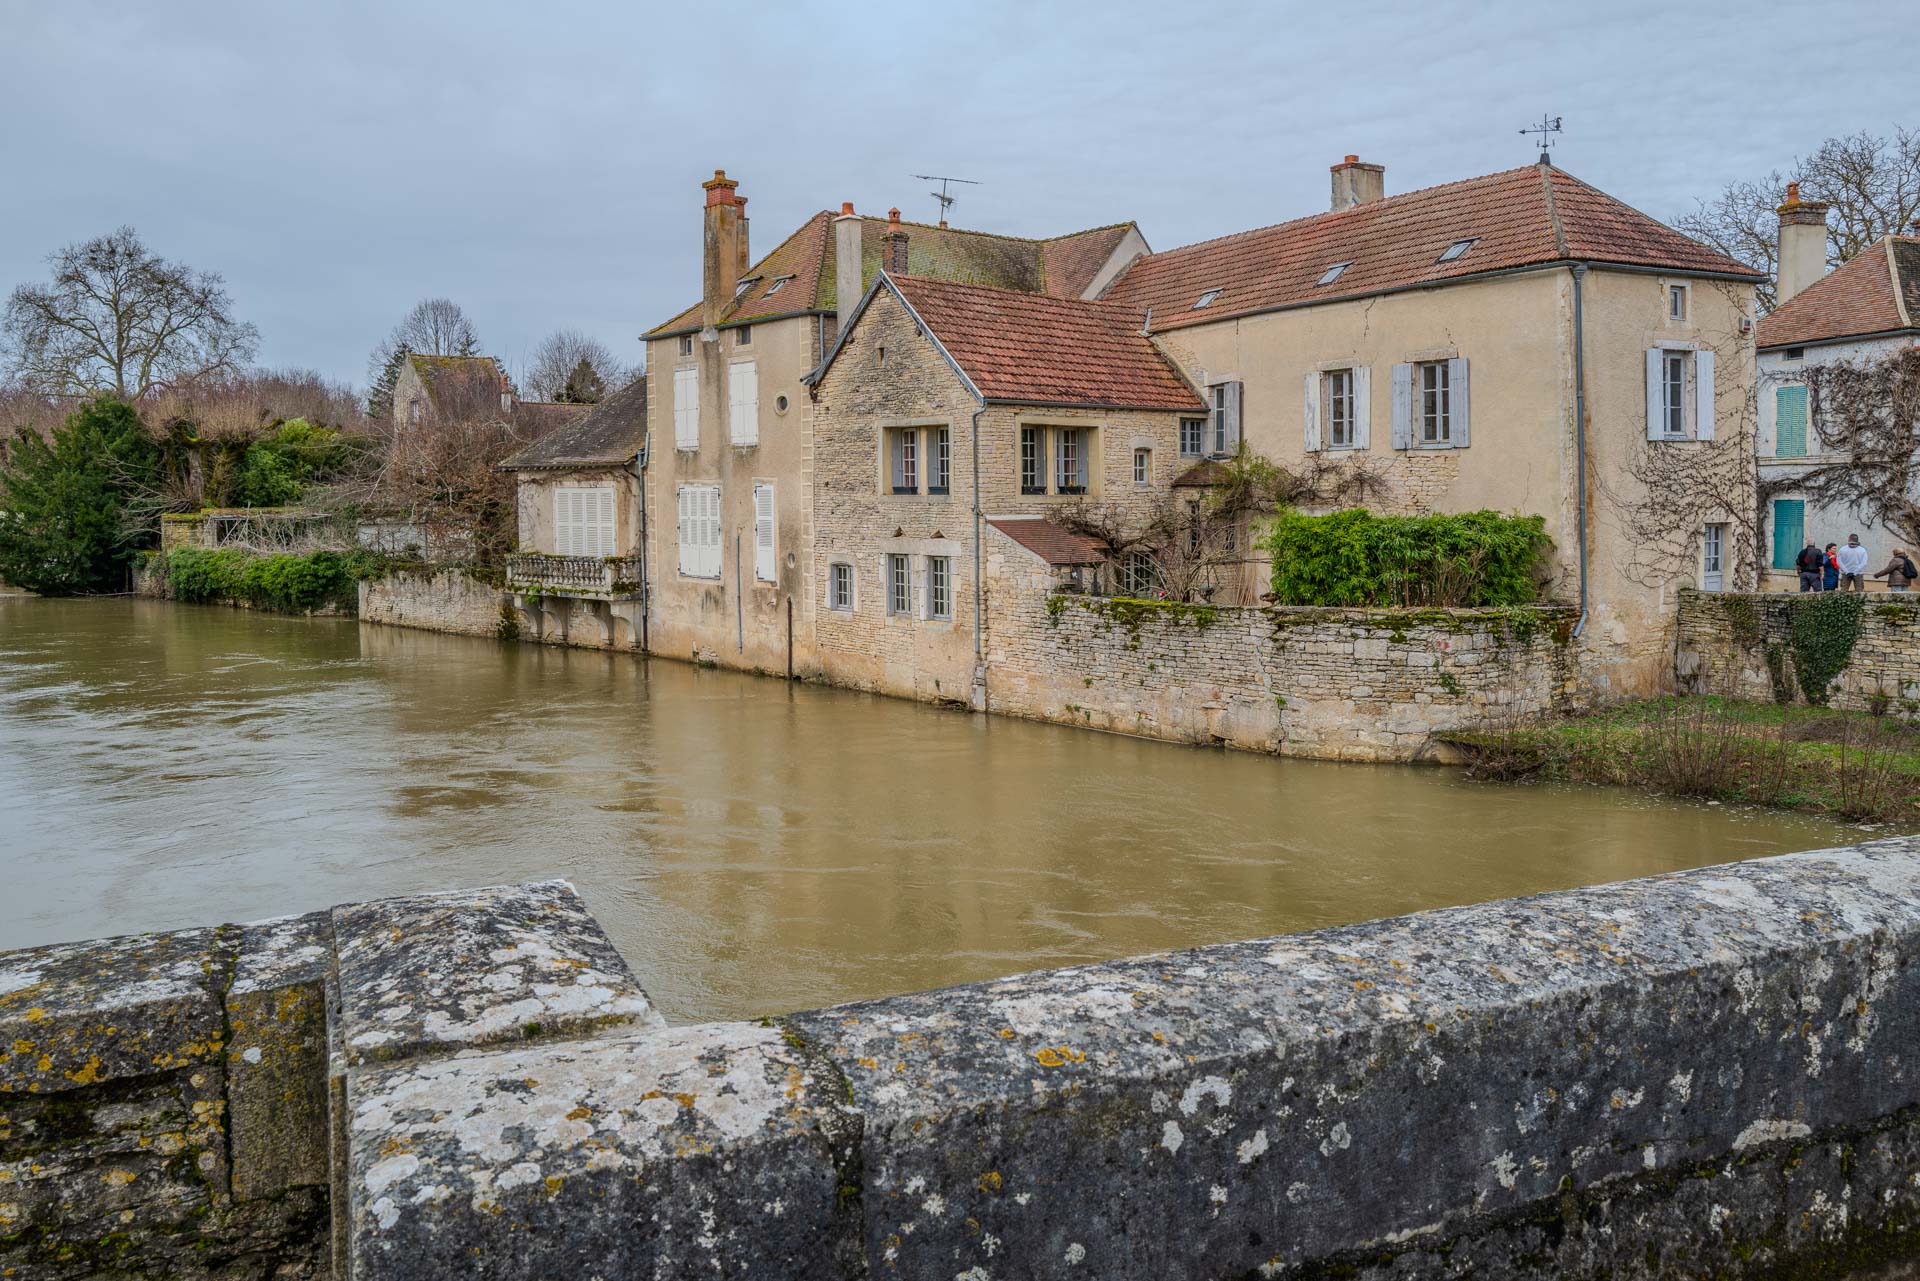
380,395
584,385
65,523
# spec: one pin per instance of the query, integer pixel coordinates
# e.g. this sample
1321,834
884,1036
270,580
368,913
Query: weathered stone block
277,1058
714,1151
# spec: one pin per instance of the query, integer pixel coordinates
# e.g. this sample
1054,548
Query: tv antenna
1548,126
945,197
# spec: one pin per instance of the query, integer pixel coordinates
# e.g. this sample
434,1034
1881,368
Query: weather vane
943,196
1548,126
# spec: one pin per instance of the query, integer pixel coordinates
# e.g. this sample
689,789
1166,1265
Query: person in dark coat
1810,563
1830,572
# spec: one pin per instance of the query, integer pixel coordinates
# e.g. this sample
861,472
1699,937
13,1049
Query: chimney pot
1352,160
846,208
893,251
1793,193
893,218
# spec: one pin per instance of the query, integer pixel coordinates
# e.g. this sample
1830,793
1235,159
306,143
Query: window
1205,299
744,285
1680,393
1673,393
766,567
743,402
413,412
1676,302
743,336
1713,543
686,344
700,531
939,587
777,286
1337,396
1457,248
1143,466
1790,422
1435,412
779,404
583,521
1192,433
903,460
899,586
686,409
1137,575
1033,461
942,461
840,586
1789,530
1333,273
1195,526
1071,449
1225,419
1796,353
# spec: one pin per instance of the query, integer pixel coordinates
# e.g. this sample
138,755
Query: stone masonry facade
1743,643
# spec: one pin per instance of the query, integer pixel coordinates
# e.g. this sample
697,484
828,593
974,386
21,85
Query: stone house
946,409
730,482
1518,341
1868,308
469,387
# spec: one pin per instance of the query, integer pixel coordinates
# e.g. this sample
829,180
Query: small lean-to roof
604,435
1034,349
1052,544
1517,218
1203,475
1877,291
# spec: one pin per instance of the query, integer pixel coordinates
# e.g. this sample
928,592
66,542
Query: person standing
1900,571
1810,563
1852,560
1830,569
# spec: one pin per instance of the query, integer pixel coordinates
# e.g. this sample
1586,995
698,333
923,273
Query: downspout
639,472
1580,435
979,590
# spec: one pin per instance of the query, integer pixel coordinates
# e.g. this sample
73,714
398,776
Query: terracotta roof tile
1072,262
1516,218
1048,541
1039,350
1857,297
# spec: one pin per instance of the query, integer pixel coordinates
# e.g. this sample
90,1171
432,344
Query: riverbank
1851,765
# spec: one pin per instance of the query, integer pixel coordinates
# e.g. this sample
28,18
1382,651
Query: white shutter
1703,394
1403,407
1233,417
764,567
743,402
686,409
602,499
1312,412
713,531
563,522
1362,407
1458,402
1656,418
687,556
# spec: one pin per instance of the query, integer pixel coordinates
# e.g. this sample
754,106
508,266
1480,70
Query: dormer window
1206,299
1333,273
1457,248
746,285
777,286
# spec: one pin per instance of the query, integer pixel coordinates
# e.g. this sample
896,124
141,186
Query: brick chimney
1356,184
720,247
893,245
1803,244
846,260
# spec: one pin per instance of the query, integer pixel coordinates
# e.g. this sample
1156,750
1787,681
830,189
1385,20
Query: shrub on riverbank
1362,559
290,583
67,520
1849,764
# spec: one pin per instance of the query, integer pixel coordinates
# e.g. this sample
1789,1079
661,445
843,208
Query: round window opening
780,404
791,561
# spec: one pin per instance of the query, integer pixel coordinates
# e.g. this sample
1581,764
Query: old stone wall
1331,683
1702,1074
1747,644
439,600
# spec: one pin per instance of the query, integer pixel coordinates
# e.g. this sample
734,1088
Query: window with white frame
1137,575
1192,437
1680,393
1033,460
766,567
743,402
699,510
1676,302
1224,420
1143,466
903,460
1070,448
940,587
1336,398
840,586
1713,551
583,522
1435,412
940,460
899,585
1673,392
686,408
686,344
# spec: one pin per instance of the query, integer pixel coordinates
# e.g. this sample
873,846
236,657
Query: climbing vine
1822,631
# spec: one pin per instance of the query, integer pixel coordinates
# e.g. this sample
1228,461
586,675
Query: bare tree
435,327
118,318
1872,182
1867,414
554,372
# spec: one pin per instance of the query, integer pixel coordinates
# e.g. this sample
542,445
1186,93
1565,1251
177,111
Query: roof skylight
1206,299
745,285
778,284
1333,273
1457,248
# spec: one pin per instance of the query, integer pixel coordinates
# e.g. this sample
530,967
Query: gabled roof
1032,349
463,375
1048,541
808,262
1876,291
1517,218
604,435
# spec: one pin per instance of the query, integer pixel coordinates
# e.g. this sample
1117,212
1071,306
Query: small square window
1796,353
1143,466
1676,302
1457,248
840,587
1333,273
1206,299
686,344
743,336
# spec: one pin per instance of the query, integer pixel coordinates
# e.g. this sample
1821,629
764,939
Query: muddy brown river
752,846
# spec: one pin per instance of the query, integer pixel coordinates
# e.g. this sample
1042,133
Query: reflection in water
752,846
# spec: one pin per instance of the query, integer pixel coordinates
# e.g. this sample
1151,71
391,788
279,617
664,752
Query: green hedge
1357,558
286,582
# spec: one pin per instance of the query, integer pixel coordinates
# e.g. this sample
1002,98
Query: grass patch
1852,765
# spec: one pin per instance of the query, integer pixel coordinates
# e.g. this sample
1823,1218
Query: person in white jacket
1853,565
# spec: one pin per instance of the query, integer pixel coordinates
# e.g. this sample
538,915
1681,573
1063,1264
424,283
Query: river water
752,846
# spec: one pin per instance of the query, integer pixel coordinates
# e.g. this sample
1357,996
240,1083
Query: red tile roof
1516,218
1858,297
1038,350
1062,267
1048,541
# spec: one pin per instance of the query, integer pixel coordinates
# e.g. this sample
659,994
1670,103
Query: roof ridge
1553,210
940,282
1635,209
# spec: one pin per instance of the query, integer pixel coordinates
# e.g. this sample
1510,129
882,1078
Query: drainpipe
1580,434
638,471
979,590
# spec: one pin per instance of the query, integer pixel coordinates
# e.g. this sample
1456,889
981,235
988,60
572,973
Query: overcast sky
539,163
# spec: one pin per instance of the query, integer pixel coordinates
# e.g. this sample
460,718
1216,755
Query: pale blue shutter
1703,393
1362,407
1311,412
1458,402
1403,407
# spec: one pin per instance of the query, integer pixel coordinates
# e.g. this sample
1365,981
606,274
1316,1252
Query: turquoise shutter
1790,422
1789,530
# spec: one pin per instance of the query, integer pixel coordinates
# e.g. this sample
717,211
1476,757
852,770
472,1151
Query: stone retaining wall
1708,1073
438,600
1743,643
